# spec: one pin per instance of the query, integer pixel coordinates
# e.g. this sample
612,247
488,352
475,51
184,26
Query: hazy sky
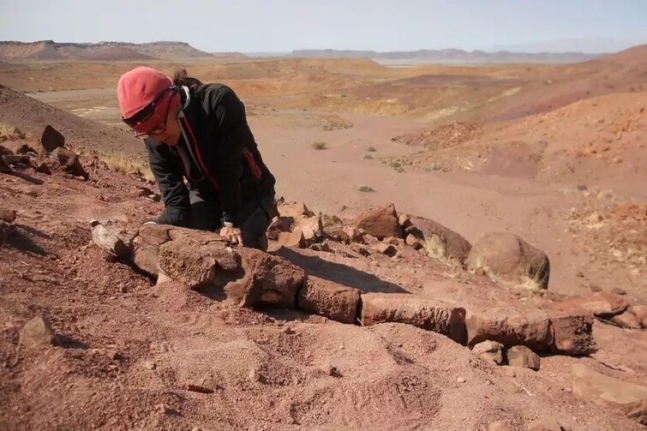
284,25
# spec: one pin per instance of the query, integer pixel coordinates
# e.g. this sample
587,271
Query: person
202,153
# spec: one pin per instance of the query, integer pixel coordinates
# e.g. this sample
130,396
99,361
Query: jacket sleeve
228,113
168,174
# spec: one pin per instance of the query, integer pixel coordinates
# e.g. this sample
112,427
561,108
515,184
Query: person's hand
232,234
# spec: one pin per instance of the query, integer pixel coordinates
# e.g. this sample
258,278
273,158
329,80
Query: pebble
461,380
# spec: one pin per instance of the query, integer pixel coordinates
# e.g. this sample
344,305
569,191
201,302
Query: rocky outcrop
248,277
50,157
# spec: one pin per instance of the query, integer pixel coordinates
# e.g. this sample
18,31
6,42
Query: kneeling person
202,153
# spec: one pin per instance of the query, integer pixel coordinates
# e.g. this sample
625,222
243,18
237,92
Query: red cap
139,87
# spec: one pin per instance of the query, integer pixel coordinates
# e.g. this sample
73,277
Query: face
168,132
159,122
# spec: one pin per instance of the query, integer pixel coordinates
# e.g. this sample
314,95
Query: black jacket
217,154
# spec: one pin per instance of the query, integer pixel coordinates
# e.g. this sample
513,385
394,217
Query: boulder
627,320
440,241
329,299
490,350
380,222
7,215
51,139
266,280
112,238
292,239
37,333
423,313
640,311
69,162
628,399
601,304
522,356
508,257
296,225
510,328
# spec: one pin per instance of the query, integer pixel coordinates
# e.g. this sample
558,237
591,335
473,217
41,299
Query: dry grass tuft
127,166
335,122
10,133
319,145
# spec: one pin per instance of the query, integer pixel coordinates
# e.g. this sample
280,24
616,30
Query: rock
621,397
510,258
420,312
510,328
292,213
440,241
312,229
109,236
380,222
404,220
329,299
572,332
521,356
198,388
490,350
186,263
640,311
69,161
146,244
387,249
37,333
45,166
602,304
545,424
412,241
627,320
292,239
27,150
323,246
267,281
7,215
51,139
618,291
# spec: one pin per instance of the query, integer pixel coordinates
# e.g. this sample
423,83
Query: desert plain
471,157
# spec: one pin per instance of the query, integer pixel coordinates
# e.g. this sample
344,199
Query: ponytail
181,78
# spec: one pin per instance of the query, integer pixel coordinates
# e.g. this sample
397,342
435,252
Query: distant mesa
101,51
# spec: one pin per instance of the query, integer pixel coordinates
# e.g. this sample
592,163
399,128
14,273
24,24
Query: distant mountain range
169,50
453,56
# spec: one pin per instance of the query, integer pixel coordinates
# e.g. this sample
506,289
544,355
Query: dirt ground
566,176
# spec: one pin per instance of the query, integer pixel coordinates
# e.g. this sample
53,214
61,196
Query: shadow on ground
339,273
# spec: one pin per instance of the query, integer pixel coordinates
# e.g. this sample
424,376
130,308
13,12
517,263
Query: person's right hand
232,234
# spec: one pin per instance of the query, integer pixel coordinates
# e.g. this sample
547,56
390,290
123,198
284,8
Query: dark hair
181,78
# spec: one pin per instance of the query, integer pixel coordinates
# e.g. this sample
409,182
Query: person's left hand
232,234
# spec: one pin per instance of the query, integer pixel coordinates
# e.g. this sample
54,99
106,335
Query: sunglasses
142,120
